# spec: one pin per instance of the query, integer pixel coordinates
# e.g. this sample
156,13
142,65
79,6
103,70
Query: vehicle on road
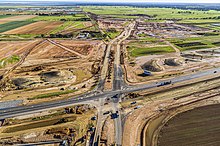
164,83
106,113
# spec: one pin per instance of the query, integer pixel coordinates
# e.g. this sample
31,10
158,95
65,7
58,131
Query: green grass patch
9,60
12,25
137,51
54,94
211,26
196,47
69,26
5,16
62,27
113,35
40,124
216,44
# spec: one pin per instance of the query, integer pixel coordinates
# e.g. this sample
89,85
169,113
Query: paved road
100,121
24,110
42,143
118,83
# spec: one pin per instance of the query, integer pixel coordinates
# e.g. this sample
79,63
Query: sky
170,1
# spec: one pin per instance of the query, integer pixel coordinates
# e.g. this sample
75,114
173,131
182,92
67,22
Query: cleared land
41,27
51,65
48,125
9,48
196,127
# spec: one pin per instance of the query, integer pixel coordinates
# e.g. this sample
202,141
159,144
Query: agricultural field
195,127
72,26
11,18
211,26
157,13
197,42
77,17
13,25
4,16
41,27
137,52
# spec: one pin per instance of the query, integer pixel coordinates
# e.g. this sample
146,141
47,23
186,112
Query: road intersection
98,97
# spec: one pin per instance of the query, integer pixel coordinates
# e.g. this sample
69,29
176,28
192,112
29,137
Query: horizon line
123,2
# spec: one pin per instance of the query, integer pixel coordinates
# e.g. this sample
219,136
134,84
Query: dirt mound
152,66
60,130
19,82
56,76
172,62
192,56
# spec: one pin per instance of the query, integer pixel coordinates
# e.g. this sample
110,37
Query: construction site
109,75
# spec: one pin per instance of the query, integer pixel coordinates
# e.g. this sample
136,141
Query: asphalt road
24,110
118,84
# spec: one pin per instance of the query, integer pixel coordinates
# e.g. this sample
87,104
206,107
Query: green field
68,26
113,35
158,13
77,17
211,26
196,42
143,51
200,21
12,25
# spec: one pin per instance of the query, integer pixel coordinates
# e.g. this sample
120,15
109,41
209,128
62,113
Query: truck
164,83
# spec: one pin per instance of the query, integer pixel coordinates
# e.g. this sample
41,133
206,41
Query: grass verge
48,95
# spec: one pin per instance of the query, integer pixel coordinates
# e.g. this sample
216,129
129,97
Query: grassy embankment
9,60
53,94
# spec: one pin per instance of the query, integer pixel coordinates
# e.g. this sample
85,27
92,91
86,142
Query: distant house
83,36
169,21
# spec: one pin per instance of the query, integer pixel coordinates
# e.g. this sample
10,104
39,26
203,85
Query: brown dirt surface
8,48
49,58
199,126
108,131
82,47
48,50
16,18
45,127
41,27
